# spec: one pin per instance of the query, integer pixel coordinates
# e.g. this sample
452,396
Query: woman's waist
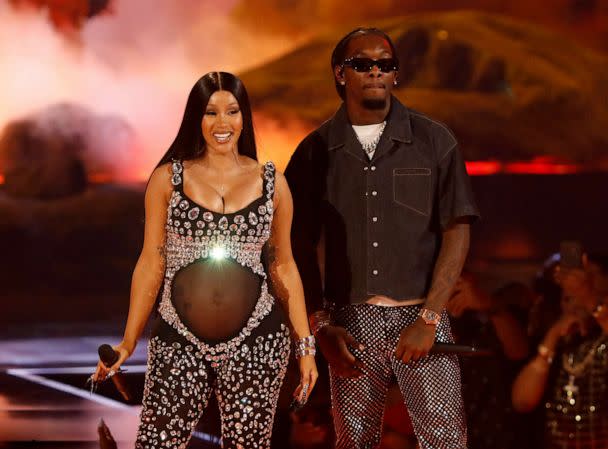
273,320
217,294
217,349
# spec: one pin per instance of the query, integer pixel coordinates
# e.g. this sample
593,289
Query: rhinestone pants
179,383
430,387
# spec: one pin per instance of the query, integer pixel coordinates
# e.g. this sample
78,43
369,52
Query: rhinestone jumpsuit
220,330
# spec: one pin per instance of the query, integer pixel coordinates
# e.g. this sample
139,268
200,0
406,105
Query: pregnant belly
215,299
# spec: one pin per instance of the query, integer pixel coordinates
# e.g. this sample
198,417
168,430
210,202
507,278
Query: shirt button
374,219
373,168
375,272
365,168
374,193
375,244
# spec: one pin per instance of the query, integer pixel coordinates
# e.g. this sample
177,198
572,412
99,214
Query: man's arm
456,210
416,340
306,174
453,253
304,177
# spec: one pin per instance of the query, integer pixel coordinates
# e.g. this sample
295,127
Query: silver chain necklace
369,145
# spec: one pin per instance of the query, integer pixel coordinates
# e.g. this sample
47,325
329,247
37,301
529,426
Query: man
382,195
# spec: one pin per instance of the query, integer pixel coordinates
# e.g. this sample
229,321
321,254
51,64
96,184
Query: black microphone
464,350
109,357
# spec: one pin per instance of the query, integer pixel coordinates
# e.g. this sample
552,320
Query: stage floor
44,402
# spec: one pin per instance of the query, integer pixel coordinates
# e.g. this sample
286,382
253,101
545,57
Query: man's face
371,89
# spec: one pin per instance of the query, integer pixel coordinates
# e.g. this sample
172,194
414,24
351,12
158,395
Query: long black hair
339,53
189,142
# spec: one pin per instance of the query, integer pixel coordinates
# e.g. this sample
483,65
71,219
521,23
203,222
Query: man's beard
374,104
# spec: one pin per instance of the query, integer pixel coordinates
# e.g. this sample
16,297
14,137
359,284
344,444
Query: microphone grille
107,355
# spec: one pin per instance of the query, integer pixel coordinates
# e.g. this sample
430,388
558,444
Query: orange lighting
101,178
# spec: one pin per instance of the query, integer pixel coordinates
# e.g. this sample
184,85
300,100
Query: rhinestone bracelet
305,346
305,352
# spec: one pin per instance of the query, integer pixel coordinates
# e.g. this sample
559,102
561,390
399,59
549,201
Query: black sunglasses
367,64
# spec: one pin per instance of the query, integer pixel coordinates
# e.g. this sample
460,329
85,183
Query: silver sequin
430,387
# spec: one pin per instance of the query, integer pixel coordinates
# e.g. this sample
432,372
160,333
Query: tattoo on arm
448,267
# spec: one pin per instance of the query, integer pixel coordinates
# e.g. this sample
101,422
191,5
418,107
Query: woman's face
222,122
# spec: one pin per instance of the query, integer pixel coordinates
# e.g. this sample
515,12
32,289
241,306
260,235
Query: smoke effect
136,64
276,139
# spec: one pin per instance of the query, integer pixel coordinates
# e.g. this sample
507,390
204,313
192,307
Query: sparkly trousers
179,383
430,387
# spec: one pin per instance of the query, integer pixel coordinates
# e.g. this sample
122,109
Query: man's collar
398,125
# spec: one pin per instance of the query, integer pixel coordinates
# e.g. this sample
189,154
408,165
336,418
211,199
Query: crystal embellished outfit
220,330
380,205
576,407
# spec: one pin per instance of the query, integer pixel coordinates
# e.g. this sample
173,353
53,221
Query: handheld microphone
108,357
464,350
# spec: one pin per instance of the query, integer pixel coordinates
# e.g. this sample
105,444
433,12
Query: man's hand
415,341
334,342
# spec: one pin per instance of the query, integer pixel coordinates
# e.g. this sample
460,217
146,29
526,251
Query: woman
565,384
210,209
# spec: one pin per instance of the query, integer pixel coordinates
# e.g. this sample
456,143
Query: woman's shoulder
162,173
160,179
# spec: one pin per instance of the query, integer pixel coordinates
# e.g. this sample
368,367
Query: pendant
571,389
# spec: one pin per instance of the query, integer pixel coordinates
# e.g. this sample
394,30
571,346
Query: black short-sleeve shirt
381,220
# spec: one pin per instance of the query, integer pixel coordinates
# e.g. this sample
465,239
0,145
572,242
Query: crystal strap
269,172
177,169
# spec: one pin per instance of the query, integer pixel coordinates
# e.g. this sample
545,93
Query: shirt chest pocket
412,189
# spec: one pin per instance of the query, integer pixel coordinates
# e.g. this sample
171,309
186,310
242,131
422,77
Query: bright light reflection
218,253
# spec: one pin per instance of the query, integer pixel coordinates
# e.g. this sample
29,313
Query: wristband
429,316
305,346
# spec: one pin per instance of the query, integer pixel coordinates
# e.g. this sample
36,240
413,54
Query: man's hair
339,53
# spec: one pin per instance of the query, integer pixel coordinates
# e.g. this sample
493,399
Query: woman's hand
102,372
567,323
308,379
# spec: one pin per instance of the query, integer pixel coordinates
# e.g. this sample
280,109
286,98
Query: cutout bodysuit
220,331
215,291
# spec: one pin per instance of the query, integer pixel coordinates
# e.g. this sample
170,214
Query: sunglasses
367,64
